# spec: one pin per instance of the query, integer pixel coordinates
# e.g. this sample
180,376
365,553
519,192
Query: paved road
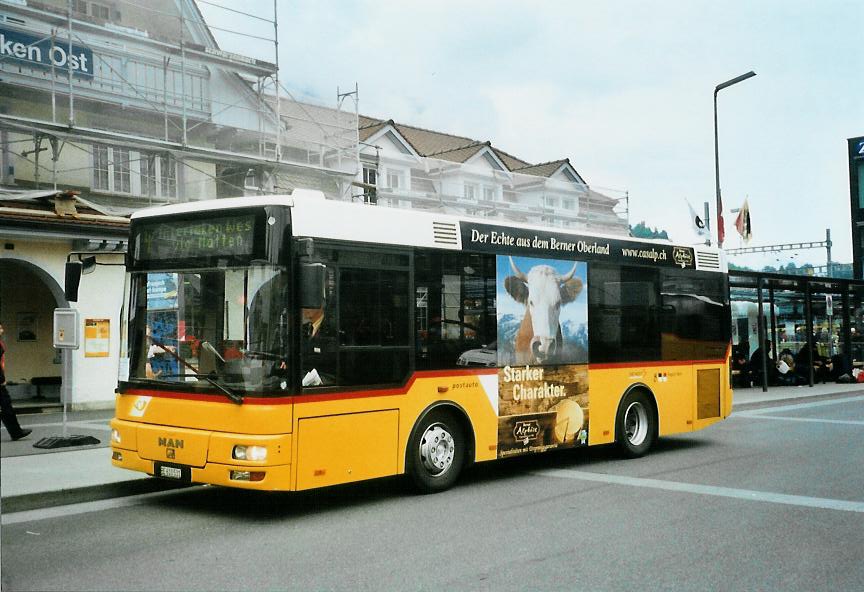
771,499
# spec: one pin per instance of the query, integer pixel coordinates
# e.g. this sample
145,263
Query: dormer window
470,191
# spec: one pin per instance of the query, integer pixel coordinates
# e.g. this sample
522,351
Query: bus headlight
115,436
242,452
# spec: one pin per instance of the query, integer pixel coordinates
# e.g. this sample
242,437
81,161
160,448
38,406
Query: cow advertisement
542,325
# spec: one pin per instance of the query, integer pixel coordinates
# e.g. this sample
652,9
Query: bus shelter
811,327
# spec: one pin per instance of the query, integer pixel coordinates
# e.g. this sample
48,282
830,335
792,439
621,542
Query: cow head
543,291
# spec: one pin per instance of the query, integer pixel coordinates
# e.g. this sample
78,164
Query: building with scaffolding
110,106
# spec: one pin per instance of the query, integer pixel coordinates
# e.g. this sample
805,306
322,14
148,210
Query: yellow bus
293,342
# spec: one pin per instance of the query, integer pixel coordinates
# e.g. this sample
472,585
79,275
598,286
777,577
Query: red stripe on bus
314,398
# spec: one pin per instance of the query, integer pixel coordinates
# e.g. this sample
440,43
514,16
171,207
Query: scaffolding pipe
53,75
183,67
69,64
276,78
165,61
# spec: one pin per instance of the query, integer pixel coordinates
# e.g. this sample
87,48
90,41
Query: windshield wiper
211,377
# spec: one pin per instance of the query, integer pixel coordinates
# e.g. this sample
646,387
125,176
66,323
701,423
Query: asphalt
32,478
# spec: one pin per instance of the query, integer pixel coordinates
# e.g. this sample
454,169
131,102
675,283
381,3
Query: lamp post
717,89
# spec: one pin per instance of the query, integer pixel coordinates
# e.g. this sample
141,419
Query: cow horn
516,271
569,276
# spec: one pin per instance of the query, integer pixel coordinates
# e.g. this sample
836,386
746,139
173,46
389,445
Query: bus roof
316,216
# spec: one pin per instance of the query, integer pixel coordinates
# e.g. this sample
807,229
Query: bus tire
635,424
436,451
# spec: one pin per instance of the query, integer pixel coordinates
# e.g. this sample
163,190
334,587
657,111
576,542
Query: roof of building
544,169
444,146
57,208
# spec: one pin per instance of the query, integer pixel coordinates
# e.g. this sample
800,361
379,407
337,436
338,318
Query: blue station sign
39,51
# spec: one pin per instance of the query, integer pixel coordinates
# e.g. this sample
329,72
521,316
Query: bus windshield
213,329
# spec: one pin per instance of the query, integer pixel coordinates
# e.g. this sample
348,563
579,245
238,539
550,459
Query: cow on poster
542,354
542,311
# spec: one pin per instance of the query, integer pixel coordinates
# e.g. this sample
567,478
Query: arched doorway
28,297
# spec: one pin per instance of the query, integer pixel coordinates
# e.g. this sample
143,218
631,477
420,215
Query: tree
642,230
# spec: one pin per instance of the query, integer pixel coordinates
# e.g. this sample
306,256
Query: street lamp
717,89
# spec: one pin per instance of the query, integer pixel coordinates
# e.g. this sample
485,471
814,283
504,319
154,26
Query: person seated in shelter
756,364
740,368
821,365
786,369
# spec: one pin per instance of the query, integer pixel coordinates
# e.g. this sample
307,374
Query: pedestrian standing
7,412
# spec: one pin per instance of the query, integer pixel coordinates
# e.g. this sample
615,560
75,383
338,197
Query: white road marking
742,494
797,406
808,419
85,507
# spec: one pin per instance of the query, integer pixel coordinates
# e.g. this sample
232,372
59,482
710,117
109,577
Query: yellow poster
97,338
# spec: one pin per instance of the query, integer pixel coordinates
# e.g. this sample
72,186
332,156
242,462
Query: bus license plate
173,472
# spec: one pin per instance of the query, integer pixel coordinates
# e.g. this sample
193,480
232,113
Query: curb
802,399
65,497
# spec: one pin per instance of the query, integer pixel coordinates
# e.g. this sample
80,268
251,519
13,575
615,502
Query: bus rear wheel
436,452
635,424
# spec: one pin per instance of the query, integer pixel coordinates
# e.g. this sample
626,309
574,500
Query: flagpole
717,89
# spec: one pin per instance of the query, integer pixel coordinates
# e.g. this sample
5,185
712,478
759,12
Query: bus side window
454,311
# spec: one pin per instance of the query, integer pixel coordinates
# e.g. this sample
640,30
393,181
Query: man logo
170,453
170,442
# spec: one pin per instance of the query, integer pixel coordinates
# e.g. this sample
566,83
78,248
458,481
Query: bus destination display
229,236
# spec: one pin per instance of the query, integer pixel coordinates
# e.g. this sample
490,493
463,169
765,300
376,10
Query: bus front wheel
436,452
635,424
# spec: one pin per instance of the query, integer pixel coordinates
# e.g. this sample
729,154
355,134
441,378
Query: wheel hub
437,449
636,423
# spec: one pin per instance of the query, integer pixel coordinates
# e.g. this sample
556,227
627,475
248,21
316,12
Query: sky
624,89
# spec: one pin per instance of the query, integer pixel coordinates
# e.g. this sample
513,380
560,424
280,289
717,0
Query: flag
721,230
699,226
742,222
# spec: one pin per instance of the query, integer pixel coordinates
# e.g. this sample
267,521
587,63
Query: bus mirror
312,279
73,279
89,264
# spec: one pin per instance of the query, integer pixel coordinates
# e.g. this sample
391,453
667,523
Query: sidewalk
33,477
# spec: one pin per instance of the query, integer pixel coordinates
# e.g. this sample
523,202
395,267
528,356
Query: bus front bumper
270,478
198,456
